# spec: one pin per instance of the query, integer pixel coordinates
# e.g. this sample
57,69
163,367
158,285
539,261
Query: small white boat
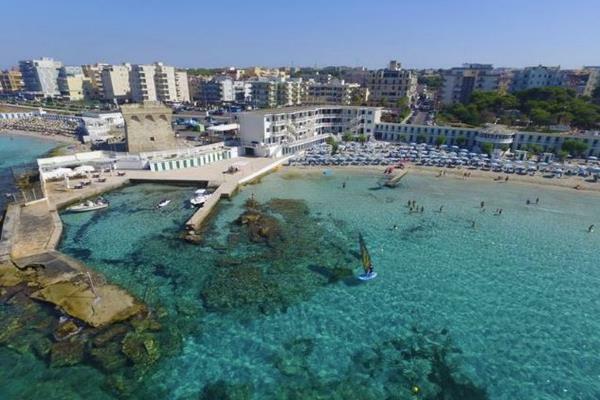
200,192
89,206
199,200
163,203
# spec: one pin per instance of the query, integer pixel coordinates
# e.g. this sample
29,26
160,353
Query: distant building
264,93
536,77
148,127
11,81
153,82
182,87
582,81
115,82
70,83
141,80
333,92
93,87
216,91
391,85
459,83
40,77
284,131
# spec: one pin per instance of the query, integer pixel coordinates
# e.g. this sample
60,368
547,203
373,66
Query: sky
419,34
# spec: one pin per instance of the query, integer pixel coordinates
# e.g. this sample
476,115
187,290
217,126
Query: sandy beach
38,135
566,183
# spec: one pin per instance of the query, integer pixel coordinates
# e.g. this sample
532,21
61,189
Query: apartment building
582,81
141,81
391,85
282,131
459,83
40,77
182,87
264,93
164,81
289,92
93,87
536,77
333,92
71,82
216,91
11,81
115,82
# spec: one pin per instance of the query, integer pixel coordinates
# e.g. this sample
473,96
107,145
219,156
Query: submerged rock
66,330
220,390
141,348
66,353
109,358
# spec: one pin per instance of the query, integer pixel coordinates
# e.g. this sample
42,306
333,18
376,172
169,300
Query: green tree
540,117
347,137
361,138
421,139
487,148
574,147
461,141
535,149
562,155
440,140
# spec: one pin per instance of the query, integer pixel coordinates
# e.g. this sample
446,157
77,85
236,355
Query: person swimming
537,200
441,209
344,185
482,204
473,224
591,228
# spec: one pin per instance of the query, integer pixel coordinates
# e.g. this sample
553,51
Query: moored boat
89,205
163,203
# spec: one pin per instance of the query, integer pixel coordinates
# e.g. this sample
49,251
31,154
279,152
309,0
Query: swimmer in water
591,228
441,209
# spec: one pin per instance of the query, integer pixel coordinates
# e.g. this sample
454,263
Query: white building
459,83
216,91
536,77
40,77
282,131
391,85
115,81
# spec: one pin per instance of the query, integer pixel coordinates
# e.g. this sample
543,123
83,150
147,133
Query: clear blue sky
420,34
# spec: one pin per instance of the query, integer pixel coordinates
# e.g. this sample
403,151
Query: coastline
566,183
38,135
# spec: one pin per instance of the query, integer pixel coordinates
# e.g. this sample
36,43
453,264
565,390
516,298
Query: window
152,138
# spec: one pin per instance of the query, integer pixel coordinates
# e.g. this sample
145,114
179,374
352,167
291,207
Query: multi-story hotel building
535,77
11,81
389,86
93,87
40,77
115,81
141,80
459,83
282,131
70,83
333,92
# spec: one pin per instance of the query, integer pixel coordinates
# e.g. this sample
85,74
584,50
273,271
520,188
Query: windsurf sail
364,254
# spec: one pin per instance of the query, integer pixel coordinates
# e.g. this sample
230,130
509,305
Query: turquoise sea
507,309
14,152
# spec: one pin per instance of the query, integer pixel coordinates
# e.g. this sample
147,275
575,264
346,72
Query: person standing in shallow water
591,228
482,204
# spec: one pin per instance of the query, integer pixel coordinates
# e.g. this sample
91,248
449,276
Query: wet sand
567,182
39,135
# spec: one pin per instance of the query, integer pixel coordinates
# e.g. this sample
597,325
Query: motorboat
199,200
163,203
89,205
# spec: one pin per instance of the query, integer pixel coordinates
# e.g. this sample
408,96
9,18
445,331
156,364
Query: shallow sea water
518,294
15,151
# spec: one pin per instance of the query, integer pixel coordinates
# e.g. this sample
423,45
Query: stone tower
148,127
